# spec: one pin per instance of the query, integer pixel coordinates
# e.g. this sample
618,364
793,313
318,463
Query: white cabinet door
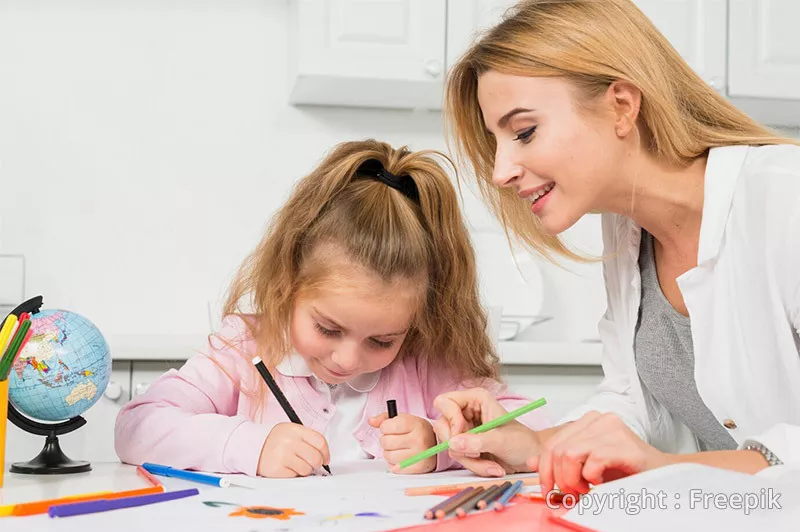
368,53
697,30
764,49
143,374
95,440
564,387
466,19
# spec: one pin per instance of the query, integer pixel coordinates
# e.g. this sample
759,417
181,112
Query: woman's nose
506,172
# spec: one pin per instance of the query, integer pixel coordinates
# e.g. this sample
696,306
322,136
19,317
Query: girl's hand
403,437
292,450
500,451
596,448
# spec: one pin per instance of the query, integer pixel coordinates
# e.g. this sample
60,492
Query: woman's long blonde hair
590,43
386,232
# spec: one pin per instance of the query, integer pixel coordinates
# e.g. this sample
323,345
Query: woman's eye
525,136
326,332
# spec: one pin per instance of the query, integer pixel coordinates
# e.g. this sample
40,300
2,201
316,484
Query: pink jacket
197,417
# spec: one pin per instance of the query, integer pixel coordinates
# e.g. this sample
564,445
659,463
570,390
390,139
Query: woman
578,106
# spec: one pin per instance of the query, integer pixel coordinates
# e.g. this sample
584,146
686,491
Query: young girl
364,289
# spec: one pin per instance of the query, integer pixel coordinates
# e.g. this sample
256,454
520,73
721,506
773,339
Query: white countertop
511,353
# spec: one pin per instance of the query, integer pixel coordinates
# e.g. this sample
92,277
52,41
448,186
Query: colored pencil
192,476
41,507
447,489
431,513
105,505
507,495
454,502
391,408
276,391
477,430
464,508
21,347
13,348
9,509
145,474
5,332
495,493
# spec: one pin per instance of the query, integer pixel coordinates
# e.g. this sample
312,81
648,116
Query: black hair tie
374,169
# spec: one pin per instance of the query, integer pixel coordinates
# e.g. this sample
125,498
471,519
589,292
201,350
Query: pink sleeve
436,381
188,418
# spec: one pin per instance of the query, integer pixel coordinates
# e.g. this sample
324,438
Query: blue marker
508,495
203,478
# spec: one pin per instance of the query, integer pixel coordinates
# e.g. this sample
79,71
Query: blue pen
508,495
203,478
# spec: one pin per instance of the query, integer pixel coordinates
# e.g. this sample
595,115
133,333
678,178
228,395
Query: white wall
145,143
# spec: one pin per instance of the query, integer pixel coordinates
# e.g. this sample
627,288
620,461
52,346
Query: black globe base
51,461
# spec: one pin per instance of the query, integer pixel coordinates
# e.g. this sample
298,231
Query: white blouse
743,299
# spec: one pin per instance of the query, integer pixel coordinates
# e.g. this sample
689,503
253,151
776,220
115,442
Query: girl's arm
189,417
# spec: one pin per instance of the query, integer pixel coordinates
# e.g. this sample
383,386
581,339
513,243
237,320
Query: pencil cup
3,423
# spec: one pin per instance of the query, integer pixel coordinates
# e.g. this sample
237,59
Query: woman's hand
594,449
500,451
403,437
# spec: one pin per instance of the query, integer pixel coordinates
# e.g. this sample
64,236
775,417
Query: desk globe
62,372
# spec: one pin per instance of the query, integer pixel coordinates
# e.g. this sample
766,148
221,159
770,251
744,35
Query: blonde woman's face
559,160
355,327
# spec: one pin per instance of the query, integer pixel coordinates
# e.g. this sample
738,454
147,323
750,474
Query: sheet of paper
359,496
690,497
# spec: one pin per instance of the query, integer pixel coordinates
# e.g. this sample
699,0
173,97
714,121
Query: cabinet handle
434,68
141,388
113,391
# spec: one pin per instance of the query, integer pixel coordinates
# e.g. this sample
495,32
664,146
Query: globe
64,368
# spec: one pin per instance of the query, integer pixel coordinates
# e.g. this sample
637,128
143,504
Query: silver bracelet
768,455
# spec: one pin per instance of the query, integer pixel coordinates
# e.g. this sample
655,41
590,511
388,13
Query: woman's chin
553,224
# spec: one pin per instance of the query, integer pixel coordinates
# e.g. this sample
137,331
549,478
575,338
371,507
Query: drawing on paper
353,516
256,512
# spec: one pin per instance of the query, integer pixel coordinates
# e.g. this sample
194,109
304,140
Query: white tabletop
362,486
103,477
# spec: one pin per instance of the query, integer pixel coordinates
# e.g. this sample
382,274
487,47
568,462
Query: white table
103,477
362,486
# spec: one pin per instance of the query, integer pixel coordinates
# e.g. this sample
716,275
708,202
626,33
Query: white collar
293,365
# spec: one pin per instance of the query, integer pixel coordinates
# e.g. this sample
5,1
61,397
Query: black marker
273,387
391,407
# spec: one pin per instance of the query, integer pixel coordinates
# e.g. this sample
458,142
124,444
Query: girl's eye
525,136
326,332
382,345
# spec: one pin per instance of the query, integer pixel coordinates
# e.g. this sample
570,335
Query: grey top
665,358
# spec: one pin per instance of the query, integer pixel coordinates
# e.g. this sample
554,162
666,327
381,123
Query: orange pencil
41,507
144,473
454,488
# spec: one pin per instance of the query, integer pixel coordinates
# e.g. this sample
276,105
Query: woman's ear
626,100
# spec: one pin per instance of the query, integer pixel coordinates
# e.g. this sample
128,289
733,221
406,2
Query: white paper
327,503
690,497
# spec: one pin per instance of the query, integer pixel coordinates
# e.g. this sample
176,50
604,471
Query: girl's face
559,160
356,326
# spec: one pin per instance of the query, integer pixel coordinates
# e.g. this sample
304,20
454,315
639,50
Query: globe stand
51,460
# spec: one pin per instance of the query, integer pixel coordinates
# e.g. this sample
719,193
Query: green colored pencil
8,357
477,430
